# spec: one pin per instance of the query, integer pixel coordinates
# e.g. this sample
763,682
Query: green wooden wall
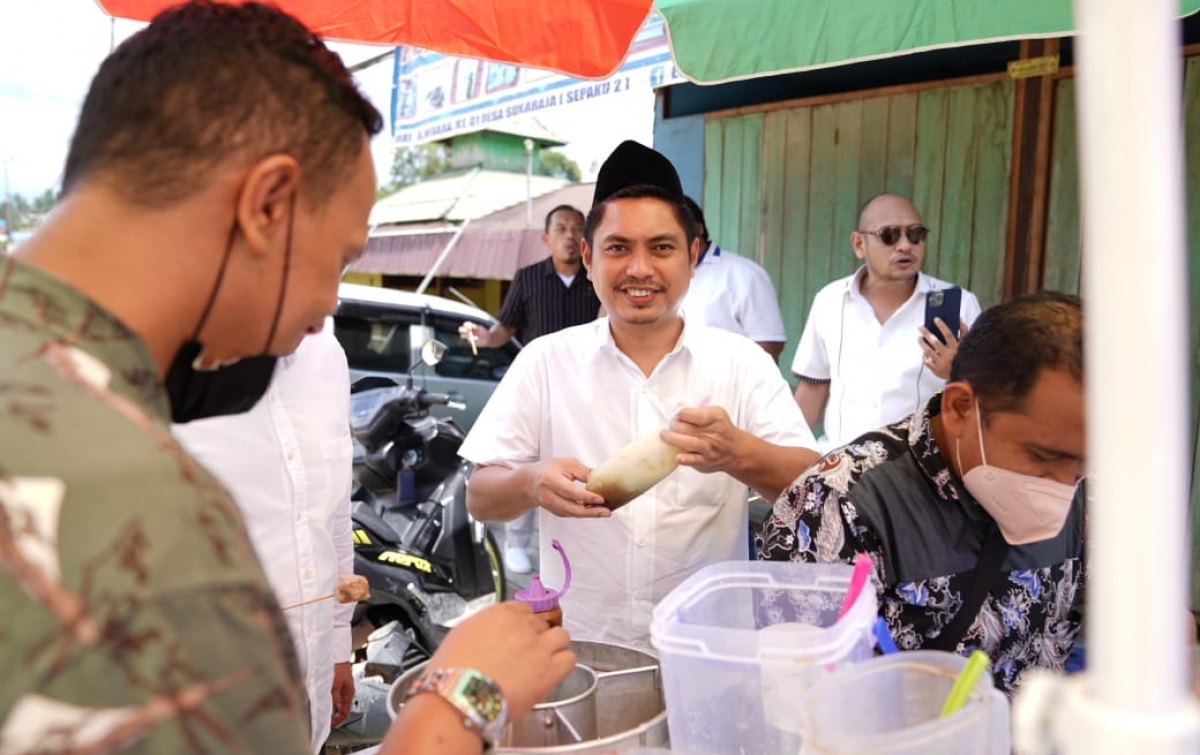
784,187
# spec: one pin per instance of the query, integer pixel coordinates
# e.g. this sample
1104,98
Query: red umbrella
582,38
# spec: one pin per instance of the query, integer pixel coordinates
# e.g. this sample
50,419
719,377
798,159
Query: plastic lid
537,595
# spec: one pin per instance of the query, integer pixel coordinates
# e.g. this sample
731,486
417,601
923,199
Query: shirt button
641,543
637,595
308,573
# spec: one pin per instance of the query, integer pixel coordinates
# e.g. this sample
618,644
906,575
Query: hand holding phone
944,304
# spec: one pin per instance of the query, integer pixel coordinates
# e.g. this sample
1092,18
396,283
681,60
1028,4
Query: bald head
885,204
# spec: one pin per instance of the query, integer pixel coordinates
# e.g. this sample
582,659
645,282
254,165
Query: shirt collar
924,285
63,315
713,253
604,341
931,459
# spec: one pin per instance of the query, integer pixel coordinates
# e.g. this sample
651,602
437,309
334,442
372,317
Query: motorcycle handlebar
387,421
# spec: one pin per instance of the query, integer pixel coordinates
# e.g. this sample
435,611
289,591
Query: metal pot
566,716
626,697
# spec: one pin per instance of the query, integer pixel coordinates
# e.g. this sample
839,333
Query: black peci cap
632,164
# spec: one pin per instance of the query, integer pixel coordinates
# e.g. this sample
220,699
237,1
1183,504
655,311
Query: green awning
714,41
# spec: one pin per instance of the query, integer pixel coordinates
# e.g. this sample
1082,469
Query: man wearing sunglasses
865,358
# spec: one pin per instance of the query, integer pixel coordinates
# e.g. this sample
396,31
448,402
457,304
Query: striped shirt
539,303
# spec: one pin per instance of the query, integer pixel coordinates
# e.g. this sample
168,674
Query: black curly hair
1010,345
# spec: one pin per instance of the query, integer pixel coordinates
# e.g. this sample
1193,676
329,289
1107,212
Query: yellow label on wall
1030,67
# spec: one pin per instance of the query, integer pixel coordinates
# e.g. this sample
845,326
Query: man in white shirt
572,399
733,293
287,463
865,358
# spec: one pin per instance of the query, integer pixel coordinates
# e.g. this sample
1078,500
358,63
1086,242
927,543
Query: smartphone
945,304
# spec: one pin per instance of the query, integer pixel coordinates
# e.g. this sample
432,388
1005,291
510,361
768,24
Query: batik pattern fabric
890,494
136,618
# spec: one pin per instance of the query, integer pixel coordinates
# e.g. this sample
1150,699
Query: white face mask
1027,509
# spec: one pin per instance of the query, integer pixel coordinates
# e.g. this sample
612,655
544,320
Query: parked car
382,331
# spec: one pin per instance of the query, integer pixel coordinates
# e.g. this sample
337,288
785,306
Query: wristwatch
472,692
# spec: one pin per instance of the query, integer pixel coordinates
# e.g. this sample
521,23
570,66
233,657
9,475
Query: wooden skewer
472,338
310,600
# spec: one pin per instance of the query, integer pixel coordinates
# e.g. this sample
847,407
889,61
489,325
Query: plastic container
742,642
891,705
543,601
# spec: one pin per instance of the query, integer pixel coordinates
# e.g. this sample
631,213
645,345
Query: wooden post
1033,117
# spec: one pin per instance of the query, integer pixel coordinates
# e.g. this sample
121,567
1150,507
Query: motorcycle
428,562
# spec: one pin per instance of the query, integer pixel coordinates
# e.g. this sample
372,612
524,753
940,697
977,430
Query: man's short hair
641,191
698,217
1009,346
564,208
206,82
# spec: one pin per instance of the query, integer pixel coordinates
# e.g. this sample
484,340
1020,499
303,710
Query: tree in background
412,165
27,213
557,165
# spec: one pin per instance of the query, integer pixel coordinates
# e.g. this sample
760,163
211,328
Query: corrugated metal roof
495,246
455,197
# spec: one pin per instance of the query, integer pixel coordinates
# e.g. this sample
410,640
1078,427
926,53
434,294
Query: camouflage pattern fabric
136,618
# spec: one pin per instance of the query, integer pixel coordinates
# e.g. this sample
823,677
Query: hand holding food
556,488
633,470
707,439
519,651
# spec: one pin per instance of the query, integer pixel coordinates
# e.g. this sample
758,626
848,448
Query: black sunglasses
890,234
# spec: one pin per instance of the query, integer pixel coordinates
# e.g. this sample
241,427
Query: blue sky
49,50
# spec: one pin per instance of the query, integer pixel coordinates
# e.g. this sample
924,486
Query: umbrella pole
1133,697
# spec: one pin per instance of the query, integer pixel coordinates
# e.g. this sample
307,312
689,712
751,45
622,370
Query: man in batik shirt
922,496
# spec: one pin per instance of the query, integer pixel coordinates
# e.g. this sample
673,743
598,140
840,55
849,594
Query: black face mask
197,392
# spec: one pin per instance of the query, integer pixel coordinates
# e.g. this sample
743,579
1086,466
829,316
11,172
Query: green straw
976,663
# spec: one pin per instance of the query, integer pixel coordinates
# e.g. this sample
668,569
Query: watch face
482,696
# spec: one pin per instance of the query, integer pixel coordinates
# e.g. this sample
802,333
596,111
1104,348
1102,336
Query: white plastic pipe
1134,698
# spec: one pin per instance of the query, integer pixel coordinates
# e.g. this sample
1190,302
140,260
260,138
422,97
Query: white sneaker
516,560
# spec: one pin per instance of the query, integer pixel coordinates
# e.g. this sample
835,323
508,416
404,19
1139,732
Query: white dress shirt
734,293
575,394
876,371
287,463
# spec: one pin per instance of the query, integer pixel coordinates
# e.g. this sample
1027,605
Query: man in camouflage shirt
199,225
909,495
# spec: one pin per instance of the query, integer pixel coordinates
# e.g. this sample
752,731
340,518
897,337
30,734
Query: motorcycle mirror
432,352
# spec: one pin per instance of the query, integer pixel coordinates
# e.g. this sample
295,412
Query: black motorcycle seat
363,514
